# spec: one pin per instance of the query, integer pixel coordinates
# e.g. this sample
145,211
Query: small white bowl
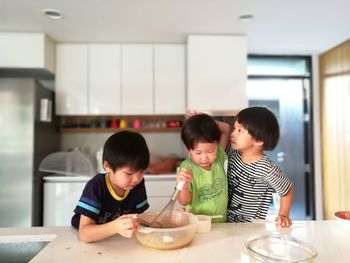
204,224
343,217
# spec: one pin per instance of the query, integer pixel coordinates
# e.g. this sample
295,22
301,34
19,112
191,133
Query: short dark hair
261,124
200,128
126,148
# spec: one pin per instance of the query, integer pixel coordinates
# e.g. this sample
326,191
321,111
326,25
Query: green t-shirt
209,188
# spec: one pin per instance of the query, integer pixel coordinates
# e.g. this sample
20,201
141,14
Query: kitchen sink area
18,249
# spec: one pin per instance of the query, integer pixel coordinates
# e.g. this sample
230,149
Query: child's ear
259,143
106,166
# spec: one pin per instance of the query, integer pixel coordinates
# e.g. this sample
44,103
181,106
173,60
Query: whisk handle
178,188
180,185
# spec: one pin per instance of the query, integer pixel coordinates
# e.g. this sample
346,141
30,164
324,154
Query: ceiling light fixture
53,14
246,17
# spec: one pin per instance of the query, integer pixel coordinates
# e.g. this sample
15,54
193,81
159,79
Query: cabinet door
71,79
104,79
216,71
137,79
60,200
169,79
159,192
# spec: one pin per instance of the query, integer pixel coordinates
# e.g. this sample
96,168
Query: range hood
25,54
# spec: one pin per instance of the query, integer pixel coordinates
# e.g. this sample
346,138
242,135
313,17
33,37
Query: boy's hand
127,225
183,209
283,221
184,175
190,113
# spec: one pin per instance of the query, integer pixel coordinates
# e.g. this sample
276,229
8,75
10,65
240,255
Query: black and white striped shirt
250,187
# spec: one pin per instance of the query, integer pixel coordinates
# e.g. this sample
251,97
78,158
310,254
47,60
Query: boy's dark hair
200,128
126,148
261,124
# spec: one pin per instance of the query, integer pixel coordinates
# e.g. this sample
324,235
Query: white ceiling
279,27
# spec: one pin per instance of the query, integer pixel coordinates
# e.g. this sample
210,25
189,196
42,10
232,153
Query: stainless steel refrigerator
28,132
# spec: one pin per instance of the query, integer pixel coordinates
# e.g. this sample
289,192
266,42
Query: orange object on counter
164,166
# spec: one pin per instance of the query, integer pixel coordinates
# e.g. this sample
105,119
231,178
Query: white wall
160,144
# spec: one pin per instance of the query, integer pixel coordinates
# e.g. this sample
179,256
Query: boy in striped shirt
252,176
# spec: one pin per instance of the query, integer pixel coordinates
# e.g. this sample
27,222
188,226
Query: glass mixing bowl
274,248
167,238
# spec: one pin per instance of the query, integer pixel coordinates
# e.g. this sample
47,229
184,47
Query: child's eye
130,172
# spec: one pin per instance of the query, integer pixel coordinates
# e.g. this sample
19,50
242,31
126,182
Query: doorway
287,96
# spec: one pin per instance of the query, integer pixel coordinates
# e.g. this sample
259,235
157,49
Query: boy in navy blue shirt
109,202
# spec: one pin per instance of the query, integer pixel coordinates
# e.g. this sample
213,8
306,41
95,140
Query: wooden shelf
149,123
112,130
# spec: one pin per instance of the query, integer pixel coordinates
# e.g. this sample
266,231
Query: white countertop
222,244
67,179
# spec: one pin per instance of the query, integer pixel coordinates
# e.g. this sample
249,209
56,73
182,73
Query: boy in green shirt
204,171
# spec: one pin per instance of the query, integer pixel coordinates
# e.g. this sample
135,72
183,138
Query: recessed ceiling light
53,14
246,17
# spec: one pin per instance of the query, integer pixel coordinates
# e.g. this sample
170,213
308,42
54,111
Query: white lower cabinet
61,194
159,191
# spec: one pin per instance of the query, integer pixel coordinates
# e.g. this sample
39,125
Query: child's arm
185,195
283,219
124,225
224,127
225,133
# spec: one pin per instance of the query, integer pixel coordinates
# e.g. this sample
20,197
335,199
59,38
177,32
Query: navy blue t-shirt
99,202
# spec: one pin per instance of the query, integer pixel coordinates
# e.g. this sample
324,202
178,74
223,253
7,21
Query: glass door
285,97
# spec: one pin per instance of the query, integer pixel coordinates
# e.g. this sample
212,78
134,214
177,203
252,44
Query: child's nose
137,178
206,157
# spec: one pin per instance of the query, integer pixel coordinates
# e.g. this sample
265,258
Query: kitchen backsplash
160,144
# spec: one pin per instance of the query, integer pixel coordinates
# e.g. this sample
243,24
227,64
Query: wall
335,128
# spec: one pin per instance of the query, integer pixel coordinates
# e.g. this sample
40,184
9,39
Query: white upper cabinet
216,73
104,79
124,79
169,79
137,79
88,79
71,79
27,50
